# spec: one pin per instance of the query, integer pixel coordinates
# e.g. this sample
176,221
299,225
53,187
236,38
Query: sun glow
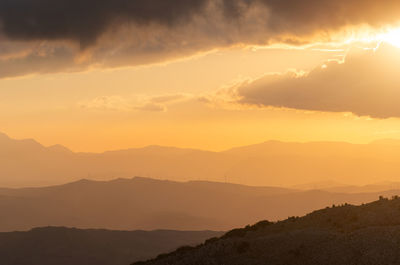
392,37
374,37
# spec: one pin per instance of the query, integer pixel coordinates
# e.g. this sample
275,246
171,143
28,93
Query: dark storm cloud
112,33
366,84
85,20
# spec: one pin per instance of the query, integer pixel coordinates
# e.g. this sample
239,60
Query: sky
208,74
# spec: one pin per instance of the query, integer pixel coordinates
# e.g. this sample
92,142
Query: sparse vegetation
344,234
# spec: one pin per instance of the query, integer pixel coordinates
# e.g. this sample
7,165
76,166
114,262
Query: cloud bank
108,33
366,84
86,20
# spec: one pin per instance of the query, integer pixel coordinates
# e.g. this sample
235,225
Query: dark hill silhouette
140,203
273,163
67,246
356,235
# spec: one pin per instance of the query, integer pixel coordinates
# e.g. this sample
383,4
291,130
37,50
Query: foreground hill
148,204
66,246
351,235
28,163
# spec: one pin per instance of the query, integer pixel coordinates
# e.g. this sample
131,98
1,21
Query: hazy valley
101,194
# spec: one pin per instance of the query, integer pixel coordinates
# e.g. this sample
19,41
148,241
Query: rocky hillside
367,234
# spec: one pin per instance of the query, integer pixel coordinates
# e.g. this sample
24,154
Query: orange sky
210,93
164,104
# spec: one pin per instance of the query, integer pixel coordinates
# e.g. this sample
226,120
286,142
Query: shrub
242,247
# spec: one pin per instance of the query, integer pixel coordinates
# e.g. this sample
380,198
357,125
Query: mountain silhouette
66,246
141,203
357,235
27,163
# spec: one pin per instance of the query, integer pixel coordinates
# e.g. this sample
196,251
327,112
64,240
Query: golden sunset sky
207,74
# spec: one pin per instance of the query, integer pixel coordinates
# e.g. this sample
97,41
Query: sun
372,36
392,37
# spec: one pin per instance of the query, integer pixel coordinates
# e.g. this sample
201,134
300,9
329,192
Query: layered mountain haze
338,187
28,163
273,163
150,119
139,203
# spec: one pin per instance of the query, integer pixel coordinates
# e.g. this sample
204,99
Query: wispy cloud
157,103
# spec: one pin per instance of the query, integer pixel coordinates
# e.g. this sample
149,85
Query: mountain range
27,163
148,204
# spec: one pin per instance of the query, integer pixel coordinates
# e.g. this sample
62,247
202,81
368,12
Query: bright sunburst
392,37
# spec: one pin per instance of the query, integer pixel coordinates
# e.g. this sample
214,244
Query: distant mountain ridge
67,246
273,163
147,204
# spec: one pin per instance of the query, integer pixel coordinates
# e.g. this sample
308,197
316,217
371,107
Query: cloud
40,59
120,32
366,84
86,20
133,103
106,103
150,106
